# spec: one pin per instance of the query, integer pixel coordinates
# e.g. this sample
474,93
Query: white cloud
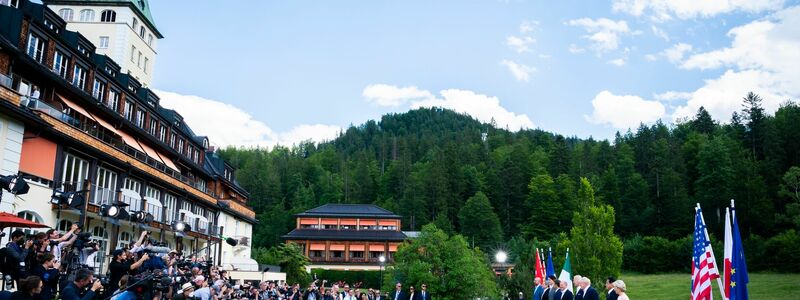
574,49
670,96
659,32
603,33
763,58
528,26
520,44
389,95
619,62
663,10
227,125
624,111
673,54
482,107
520,71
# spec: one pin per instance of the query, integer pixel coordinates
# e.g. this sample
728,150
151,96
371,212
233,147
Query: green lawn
676,286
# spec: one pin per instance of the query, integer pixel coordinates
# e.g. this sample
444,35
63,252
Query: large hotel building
76,114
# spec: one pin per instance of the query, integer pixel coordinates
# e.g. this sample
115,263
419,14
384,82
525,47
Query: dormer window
135,23
87,15
141,31
66,14
108,16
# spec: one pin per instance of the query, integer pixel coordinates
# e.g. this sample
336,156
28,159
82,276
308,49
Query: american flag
704,268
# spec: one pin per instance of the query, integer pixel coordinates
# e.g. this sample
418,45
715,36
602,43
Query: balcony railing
112,140
5,81
103,196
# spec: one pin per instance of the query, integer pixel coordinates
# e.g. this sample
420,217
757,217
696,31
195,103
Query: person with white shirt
351,295
578,290
589,293
565,293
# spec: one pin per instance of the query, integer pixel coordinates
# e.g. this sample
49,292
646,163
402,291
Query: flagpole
716,264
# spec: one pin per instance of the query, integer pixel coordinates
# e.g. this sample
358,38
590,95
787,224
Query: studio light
115,211
71,199
141,217
14,184
231,241
181,226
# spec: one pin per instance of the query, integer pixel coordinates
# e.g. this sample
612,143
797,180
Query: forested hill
424,164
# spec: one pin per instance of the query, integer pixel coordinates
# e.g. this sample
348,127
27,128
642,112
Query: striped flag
704,267
538,267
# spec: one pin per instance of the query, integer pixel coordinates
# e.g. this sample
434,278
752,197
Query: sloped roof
345,235
349,210
141,7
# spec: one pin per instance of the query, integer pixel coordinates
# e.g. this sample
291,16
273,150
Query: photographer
58,242
120,267
122,293
16,252
186,292
47,270
29,287
76,290
203,291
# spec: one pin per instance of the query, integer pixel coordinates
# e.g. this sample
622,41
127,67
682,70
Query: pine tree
478,222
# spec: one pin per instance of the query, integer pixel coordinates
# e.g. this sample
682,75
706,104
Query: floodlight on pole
181,226
15,184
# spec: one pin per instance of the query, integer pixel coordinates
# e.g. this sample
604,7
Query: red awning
392,248
329,222
9,220
376,248
317,247
38,157
130,141
388,223
368,222
309,221
337,248
356,247
349,222
76,107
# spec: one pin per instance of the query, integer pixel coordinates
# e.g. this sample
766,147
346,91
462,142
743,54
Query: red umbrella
9,220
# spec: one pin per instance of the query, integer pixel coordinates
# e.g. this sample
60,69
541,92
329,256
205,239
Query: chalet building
75,115
347,236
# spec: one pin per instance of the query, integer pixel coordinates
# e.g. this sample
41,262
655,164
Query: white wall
121,37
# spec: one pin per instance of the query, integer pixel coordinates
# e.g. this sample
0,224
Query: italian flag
566,273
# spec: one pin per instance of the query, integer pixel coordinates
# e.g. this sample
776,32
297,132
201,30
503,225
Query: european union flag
739,278
550,269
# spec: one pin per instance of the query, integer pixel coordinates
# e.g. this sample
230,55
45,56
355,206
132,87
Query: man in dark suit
558,291
75,290
610,294
565,293
589,293
538,290
550,292
398,294
424,294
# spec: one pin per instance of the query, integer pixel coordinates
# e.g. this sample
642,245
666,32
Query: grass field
676,286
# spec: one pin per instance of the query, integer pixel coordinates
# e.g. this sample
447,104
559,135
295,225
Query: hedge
368,279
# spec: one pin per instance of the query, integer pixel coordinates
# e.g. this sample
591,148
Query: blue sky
269,72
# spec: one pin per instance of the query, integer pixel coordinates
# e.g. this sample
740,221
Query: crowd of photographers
48,265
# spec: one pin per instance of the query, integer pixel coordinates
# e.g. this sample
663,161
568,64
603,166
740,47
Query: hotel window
316,253
60,64
162,133
108,16
196,156
103,42
153,126
154,210
347,227
113,99
172,138
79,77
201,185
356,254
135,186
133,53
106,188
99,90
140,118
141,31
139,60
150,39
180,146
75,172
128,113
87,15
337,254
135,23
146,62
35,47
100,235
170,202
30,216
124,239
66,14
375,254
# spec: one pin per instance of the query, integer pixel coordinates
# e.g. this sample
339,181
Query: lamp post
501,257
382,260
